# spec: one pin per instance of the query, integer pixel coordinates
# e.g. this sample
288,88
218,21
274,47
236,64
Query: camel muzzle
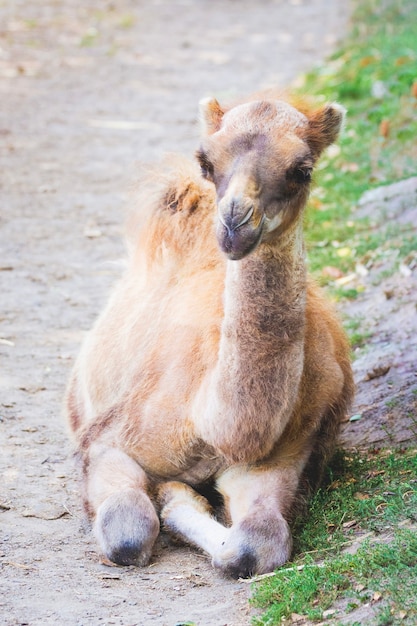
237,233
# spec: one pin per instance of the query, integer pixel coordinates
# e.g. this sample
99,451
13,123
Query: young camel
216,362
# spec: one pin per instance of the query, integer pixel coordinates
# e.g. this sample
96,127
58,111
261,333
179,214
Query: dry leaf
346,279
332,272
349,524
376,597
384,128
377,372
361,496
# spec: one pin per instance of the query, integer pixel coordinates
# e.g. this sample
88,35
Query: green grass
367,499
369,494
374,76
357,336
384,575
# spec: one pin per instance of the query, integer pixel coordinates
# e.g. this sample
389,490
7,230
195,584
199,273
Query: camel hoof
126,527
243,566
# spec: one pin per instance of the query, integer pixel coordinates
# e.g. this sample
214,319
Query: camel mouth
238,242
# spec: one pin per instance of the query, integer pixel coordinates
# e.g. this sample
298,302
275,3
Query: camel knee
126,527
125,520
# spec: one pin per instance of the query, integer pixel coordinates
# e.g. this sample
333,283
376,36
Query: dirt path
86,92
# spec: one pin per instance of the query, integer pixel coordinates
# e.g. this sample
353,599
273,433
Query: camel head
260,156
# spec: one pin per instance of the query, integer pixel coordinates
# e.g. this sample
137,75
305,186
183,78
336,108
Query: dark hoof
243,567
129,553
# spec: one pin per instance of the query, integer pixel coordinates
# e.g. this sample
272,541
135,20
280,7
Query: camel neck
265,295
261,350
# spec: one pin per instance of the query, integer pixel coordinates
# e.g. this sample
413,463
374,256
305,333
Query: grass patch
374,75
357,336
364,494
354,547
384,575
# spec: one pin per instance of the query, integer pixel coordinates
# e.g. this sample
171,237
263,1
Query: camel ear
211,115
325,125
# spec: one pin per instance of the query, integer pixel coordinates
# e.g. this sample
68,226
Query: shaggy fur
216,361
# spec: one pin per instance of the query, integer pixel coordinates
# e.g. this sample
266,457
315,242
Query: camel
208,395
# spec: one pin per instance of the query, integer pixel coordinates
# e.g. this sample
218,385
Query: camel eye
205,165
300,174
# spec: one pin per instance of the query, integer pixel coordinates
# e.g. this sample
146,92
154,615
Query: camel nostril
245,219
232,222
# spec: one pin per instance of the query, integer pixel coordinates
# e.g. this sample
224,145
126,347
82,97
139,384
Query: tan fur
215,353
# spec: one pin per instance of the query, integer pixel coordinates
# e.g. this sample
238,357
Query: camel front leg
257,501
126,524
187,514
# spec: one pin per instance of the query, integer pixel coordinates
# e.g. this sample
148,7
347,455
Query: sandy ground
88,90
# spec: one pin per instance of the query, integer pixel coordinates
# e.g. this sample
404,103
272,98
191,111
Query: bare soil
87,90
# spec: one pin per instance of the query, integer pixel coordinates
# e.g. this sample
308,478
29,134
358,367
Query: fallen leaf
365,61
361,496
349,524
335,484
384,128
376,597
377,372
332,272
346,279
402,60
355,418
374,473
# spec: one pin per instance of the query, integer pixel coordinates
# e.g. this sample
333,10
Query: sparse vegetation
356,548
374,76
366,505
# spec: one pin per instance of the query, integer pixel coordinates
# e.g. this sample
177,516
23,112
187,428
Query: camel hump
182,196
171,203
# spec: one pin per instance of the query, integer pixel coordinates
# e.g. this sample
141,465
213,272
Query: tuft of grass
374,76
384,575
374,493
357,335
